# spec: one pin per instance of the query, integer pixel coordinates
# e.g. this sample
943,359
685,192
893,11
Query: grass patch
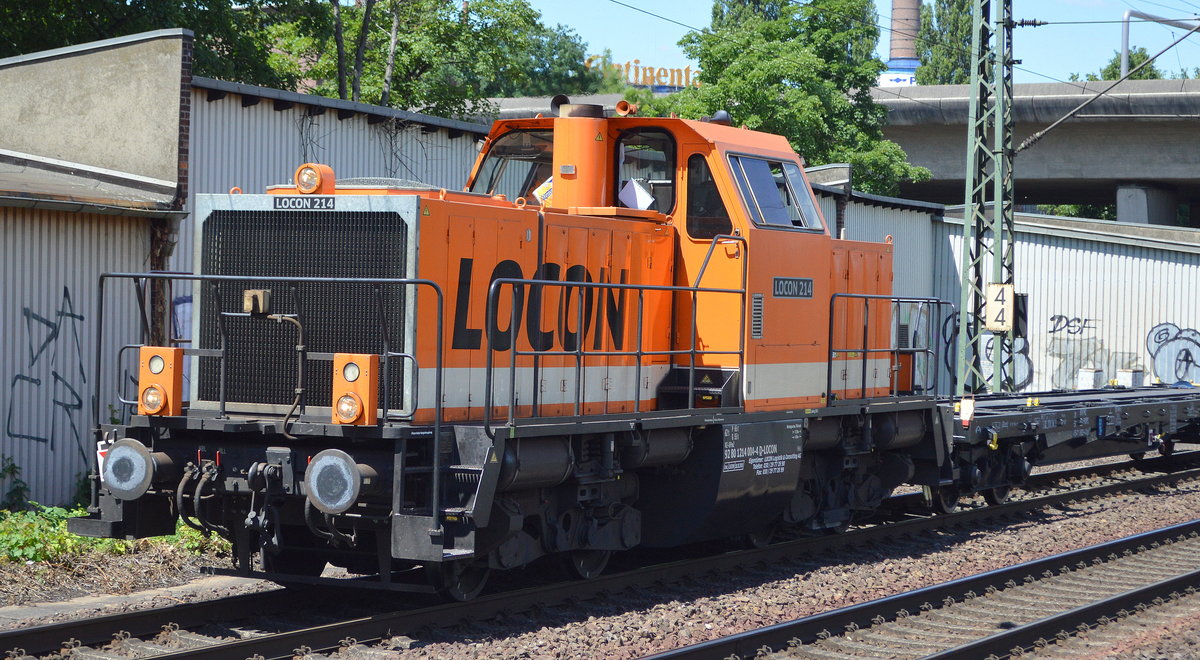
40,534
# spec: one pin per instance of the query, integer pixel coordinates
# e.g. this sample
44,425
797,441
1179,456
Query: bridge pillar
1147,204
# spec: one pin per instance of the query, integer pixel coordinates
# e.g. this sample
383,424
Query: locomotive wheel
585,564
1138,455
997,496
943,498
1166,447
460,580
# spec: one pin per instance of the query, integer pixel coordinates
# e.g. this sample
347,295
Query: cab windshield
518,164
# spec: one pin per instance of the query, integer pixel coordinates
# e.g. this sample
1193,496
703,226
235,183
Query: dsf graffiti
45,394
1174,353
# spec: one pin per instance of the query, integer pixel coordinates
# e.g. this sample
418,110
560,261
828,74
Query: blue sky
1047,53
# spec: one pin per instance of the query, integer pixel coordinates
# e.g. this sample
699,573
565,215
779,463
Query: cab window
775,192
516,165
706,213
646,170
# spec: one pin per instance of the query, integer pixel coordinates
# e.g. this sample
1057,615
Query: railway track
176,632
996,614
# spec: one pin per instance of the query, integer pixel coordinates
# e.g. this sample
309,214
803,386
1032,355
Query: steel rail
864,615
375,627
1029,635
1175,462
50,637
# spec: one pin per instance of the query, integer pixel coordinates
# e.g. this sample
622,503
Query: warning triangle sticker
599,136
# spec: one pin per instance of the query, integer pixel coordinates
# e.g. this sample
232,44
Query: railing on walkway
929,309
582,291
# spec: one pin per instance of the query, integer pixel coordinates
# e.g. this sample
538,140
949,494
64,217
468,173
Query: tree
441,57
806,75
944,43
554,63
731,13
1112,70
230,35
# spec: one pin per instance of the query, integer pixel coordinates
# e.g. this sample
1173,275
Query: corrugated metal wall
48,285
256,146
1103,299
1098,301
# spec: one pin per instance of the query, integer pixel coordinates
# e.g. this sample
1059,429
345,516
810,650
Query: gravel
661,617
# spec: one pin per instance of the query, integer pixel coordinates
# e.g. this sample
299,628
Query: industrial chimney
903,61
906,20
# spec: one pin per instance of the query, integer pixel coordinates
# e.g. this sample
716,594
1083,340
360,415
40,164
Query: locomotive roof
719,135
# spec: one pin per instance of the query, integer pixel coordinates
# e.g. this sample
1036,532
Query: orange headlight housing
314,178
160,380
355,388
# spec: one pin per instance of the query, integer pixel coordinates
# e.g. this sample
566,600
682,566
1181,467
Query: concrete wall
1143,132
113,105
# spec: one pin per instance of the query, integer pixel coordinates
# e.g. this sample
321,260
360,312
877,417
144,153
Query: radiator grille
261,365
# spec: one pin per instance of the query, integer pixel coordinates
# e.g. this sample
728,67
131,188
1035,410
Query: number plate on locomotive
306,203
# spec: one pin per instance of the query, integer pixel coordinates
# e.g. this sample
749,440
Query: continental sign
644,75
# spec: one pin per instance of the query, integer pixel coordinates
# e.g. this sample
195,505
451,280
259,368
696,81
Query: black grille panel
261,365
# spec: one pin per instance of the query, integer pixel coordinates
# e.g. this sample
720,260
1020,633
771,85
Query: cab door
789,285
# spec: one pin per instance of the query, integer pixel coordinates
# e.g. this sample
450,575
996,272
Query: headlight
157,364
348,407
152,399
350,372
308,179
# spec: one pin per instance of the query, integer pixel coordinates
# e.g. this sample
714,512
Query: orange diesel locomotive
625,331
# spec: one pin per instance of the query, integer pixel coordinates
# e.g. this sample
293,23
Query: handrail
932,345
722,239
577,350
140,280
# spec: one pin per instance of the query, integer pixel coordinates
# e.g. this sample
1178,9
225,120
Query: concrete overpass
1138,146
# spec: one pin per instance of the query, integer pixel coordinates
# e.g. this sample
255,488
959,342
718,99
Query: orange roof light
314,178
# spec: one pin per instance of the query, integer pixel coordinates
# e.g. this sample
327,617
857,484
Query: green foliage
445,61
40,534
197,543
1112,70
554,63
17,495
230,38
805,75
731,13
1088,211
944,43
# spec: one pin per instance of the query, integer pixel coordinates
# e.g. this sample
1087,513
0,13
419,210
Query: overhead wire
1032,139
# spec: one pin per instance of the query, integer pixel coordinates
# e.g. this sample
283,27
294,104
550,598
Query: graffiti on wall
1016,364
1075,350
1071,325
1174,353
45,399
